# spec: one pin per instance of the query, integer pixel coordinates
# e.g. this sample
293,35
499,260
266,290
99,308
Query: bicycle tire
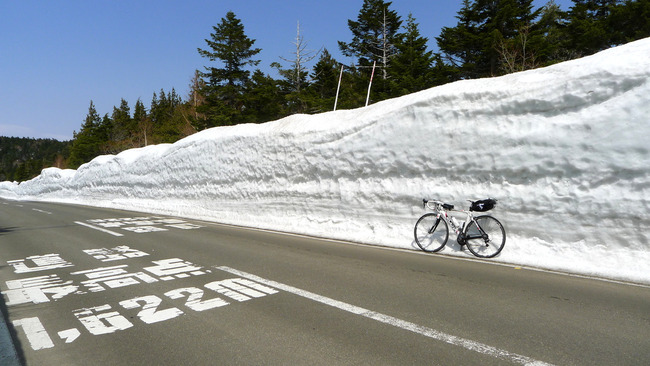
431,233
488,246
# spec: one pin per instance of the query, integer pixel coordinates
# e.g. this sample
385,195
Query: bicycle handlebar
437,205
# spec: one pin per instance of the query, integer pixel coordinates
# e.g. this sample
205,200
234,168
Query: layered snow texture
564,149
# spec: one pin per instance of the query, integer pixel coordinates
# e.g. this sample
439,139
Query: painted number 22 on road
103,319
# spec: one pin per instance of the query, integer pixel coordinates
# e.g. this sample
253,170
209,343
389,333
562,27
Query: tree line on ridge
491,38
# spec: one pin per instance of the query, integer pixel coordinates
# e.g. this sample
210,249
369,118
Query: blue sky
57,56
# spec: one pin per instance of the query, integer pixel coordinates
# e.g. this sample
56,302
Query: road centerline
399,323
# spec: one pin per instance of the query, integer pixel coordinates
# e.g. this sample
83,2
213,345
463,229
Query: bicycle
483,235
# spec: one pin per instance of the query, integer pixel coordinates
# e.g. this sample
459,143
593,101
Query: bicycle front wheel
431,232
487,239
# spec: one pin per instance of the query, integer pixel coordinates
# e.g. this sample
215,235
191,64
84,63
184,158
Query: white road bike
483,235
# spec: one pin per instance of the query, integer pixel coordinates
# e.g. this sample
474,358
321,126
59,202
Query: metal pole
338,88
370,84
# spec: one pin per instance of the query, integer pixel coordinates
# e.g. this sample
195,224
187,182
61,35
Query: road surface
85,285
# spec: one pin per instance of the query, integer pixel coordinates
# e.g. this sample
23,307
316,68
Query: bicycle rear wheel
486,240
431,232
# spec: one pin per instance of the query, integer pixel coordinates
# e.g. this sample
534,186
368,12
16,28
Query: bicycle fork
433,228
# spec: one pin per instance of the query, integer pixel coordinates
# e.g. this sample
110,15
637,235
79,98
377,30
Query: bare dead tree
387,49
514,53
301,57
197,97
383,48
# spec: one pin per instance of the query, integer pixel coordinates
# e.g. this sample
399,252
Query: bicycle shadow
450,247
5,230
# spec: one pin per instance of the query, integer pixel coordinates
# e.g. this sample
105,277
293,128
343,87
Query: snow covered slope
564,149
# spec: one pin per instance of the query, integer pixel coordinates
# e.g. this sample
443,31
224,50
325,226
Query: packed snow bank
563,148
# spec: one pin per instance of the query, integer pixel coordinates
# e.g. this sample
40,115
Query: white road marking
69,335
35,333
99,322
43,262
98,228
41,211
387,319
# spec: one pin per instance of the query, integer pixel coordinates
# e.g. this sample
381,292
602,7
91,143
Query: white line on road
387,319
98,228
36,334
45,212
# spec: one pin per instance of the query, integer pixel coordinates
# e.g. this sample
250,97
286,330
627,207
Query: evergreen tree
504,21
325,76
297,98
167,120
225,85
462,44
122,120
590,25
374,35
631,21
21,174
87,142
143,123
156,109
442,72
122,129
412,66
476,45
263,99
103,136
553,46
374,39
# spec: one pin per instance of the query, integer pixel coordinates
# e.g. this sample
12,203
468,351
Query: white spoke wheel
487,239
431,233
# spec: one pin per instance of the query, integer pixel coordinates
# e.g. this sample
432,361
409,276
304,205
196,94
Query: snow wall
564,149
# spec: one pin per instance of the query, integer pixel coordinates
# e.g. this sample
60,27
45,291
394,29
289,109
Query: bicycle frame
443,209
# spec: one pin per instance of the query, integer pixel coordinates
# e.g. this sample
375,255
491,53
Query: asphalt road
89,286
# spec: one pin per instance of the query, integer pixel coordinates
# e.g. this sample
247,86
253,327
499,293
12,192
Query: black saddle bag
483,205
